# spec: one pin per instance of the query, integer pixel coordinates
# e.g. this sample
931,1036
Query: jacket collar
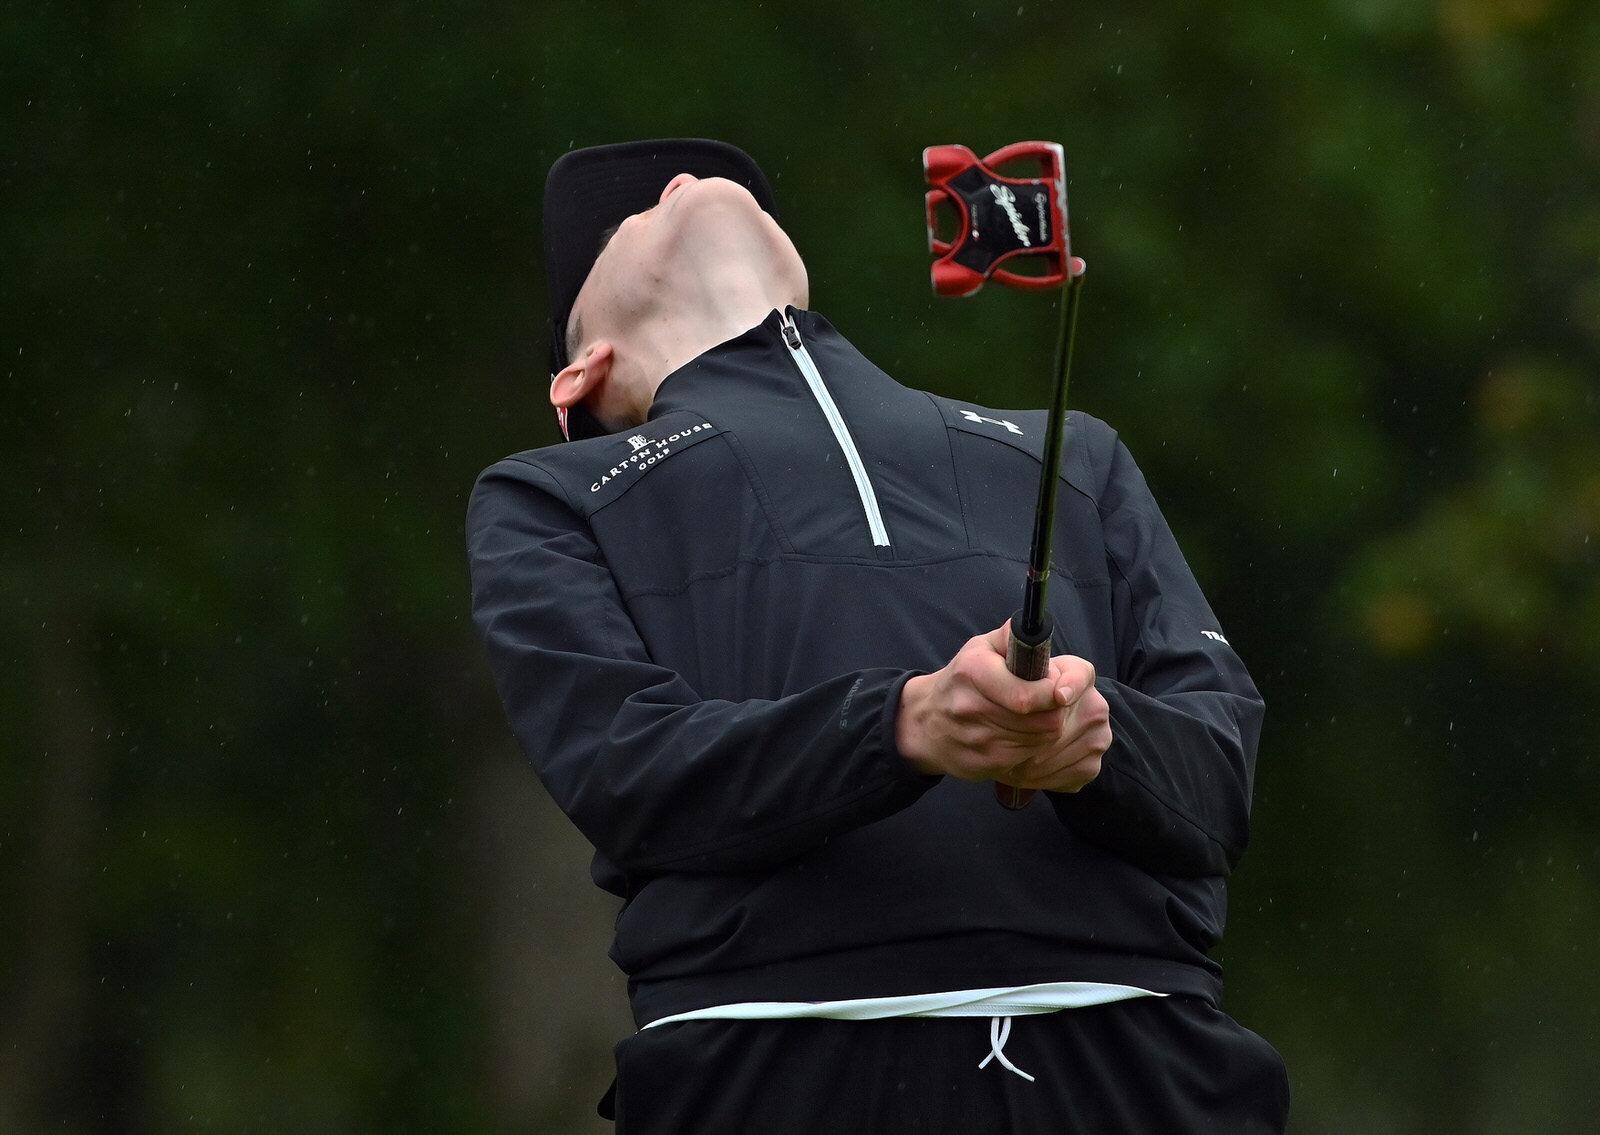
754,362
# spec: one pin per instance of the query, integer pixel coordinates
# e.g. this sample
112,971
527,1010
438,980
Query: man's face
667,254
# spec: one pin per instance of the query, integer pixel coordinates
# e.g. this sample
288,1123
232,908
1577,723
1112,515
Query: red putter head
1001,222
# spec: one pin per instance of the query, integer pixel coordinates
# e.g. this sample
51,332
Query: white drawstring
999,1033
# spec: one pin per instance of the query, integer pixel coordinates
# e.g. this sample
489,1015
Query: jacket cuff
891,711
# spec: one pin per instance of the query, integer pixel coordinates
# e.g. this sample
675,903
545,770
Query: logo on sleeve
1010,427
645,452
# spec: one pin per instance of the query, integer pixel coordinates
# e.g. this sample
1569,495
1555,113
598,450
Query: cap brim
589,191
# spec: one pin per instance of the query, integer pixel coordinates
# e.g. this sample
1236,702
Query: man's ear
582,377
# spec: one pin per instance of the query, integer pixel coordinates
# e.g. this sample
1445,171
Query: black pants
1153,1066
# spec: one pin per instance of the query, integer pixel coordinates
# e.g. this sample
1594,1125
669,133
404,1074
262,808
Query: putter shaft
1028,655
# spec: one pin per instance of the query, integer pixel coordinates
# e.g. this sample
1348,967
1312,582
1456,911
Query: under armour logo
1010,426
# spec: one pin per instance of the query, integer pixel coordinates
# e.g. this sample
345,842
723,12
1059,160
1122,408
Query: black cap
592,190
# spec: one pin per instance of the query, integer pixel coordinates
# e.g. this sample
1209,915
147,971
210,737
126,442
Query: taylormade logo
1008,202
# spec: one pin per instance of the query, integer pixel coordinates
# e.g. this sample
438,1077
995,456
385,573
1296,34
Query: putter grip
1028,654
1028,657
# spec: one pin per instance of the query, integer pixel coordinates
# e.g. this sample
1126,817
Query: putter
1003,223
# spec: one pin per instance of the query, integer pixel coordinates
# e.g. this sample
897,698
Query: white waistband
999,1005
1011,1001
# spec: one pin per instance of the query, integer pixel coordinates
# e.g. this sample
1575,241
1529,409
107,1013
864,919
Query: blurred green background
271,295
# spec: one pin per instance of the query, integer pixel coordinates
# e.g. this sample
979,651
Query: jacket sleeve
656,777
1173,794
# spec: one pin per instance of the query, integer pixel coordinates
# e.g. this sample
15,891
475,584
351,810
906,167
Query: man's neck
707,267
710,311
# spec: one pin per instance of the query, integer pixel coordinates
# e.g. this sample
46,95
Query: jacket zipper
841,432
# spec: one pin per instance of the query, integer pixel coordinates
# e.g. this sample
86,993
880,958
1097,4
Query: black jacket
700,630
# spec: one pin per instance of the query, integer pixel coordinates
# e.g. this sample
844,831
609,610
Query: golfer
747,627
